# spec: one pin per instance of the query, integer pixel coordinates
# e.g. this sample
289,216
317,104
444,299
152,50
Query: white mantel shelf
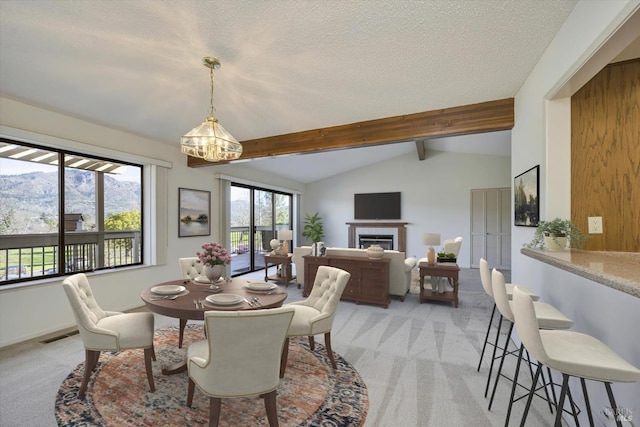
617,270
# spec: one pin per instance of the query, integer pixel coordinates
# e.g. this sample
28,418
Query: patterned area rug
310,394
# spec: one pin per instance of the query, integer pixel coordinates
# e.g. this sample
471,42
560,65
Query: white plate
224,299
261,286
167,289
202,279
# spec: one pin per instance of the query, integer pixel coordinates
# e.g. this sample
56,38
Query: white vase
375,252
213,273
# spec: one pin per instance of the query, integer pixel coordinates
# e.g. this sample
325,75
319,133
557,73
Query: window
91,207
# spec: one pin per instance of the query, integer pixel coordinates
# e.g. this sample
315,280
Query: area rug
310,394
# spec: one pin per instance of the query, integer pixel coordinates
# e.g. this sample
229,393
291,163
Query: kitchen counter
617,270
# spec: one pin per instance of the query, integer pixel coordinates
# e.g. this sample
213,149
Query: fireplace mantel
401,226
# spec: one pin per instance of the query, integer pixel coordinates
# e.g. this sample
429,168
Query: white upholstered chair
315,315
570,353
190,269
107,330
240,357
452,246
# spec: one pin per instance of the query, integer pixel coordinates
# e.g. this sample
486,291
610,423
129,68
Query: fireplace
384,240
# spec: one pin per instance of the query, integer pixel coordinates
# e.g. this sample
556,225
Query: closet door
491,227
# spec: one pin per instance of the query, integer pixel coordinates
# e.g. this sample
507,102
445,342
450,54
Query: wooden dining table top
183,306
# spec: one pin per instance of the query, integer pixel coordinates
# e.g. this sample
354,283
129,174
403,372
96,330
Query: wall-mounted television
376,206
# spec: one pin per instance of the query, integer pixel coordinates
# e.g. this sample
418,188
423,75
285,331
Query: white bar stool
547,317
570,353
485,278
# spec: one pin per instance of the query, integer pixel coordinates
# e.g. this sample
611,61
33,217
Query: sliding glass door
256,216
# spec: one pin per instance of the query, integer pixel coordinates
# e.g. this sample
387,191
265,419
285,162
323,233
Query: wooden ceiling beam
468,119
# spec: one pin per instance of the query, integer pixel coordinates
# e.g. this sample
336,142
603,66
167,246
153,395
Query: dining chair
573,354
240,357
315,315
485,279
107,330
190,269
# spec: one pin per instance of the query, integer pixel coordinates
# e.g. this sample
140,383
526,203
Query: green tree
130,220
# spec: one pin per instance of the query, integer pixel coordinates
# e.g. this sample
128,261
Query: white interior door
491,227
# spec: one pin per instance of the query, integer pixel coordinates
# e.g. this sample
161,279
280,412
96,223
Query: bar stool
547,317
485,278
570,353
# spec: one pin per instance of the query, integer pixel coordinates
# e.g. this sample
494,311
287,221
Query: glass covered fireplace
384,240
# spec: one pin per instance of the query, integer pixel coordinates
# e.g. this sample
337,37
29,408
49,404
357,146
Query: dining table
177,298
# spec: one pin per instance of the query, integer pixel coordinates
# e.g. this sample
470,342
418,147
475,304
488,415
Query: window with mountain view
64,212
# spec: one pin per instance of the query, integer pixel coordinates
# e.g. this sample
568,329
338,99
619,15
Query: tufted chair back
190,267
327,290
85,308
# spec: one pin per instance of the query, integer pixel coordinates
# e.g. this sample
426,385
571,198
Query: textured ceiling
287,66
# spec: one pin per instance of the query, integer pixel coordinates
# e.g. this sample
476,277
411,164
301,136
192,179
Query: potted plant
313,230
555,234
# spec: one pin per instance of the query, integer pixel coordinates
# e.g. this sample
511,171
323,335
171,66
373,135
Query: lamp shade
285,235
431,239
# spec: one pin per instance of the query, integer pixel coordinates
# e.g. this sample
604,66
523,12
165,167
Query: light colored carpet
418,362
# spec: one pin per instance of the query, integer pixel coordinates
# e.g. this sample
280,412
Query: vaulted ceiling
287,66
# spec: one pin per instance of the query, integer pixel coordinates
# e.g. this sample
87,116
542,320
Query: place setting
168,292
225,300
264,288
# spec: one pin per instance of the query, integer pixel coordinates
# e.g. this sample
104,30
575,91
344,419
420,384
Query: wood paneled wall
605,157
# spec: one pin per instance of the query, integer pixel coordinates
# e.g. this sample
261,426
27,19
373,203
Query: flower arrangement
213,253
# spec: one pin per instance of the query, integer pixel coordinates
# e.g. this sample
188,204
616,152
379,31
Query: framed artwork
526,188
194,212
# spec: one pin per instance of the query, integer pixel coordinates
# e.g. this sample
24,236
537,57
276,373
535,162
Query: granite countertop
618,270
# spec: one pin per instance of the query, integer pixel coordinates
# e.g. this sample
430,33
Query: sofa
399,267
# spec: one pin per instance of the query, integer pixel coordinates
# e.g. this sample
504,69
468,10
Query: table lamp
285,236
431,239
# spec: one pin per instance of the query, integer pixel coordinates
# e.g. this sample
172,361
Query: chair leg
614,407
312,343
531,393
270,407
183,323
327,344
190,389
148,352
90,362
563,393
153,352
514,385
493,357
486,337
499,373
586,400
284,357
214,411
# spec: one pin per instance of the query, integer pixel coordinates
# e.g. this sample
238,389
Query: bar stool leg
553,389
486,337
586,400
504,355
563,393
531,393
493,357
514,385
612,401
544,384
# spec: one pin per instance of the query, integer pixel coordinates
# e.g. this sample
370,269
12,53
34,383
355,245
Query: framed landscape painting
194,212
526,197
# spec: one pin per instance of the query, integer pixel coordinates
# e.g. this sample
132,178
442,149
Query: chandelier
210,141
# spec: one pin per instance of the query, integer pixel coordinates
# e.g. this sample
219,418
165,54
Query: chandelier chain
211,109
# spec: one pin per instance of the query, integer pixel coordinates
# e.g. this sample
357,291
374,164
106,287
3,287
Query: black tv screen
377,206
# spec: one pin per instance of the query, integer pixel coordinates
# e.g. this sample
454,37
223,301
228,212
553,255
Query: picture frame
194,212
526,197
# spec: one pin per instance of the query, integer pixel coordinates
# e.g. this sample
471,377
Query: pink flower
213,253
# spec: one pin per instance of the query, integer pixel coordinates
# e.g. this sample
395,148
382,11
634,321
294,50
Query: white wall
31,311
435,195
541,136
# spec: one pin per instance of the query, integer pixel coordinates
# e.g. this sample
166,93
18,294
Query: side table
284,276
447,270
